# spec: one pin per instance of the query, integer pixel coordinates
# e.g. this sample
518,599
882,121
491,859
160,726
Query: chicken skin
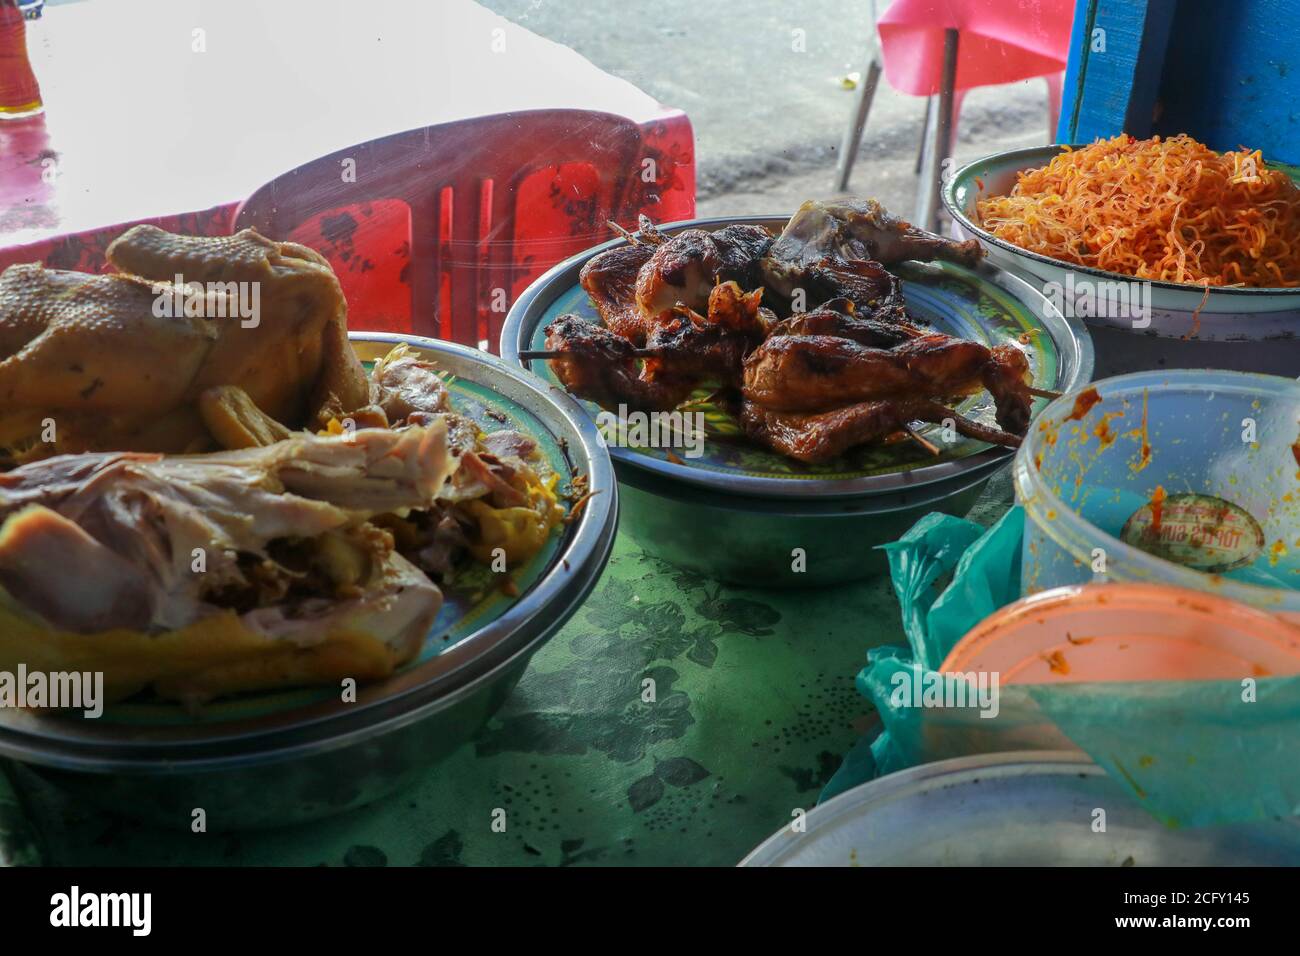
684,270
854,230
815,373
98,362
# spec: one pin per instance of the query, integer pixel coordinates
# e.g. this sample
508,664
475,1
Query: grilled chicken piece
857,230
685,269
824,436
610,280
695,347
839,318
274,540
97,355
1007,377
814,373
872,289
600,366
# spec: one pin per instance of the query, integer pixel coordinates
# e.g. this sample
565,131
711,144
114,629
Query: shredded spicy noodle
1162,209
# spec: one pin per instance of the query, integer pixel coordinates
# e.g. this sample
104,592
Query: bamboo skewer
1043,392
921,440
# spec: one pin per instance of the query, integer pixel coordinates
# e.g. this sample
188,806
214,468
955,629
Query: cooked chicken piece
686,268
1007,377
610,279
839,318
600,366
274,540
154,510
873,290
855,229
101,358
403,383
696,347
814,373
235,422
824,436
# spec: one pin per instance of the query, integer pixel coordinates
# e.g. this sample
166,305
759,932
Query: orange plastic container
1127,632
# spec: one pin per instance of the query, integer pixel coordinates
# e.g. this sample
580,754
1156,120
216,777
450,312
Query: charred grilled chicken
684,310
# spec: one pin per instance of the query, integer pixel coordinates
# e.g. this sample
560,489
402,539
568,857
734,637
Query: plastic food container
1254,330
1012,809
1184,477
1126,632
738,513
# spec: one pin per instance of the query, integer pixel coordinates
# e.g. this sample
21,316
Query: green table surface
754,707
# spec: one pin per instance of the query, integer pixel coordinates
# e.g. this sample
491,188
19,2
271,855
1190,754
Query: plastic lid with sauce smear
1127,632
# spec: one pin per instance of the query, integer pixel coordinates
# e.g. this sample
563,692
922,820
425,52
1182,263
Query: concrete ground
769,116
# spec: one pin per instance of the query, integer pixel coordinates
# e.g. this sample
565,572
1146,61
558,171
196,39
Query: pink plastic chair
942,48
432,231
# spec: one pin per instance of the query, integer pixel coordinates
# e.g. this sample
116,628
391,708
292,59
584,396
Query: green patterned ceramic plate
984,304
476,613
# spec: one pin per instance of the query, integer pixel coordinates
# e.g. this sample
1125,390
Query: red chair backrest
489,203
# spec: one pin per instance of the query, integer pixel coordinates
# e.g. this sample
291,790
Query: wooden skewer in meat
596,364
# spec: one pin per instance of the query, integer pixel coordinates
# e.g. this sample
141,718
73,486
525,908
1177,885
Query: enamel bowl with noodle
1175,255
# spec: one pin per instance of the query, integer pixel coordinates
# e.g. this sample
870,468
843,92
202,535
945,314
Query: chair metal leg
861,107
938,140
925,133
1054,81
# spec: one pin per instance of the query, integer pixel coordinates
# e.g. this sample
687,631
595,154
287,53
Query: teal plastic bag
1194,753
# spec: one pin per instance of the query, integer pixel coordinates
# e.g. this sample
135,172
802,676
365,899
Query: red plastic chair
940,49
490,203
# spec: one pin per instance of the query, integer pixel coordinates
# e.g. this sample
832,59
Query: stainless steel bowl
744,527
1012,809
778,542
324,756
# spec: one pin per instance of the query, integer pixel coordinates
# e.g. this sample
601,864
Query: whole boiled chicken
130,360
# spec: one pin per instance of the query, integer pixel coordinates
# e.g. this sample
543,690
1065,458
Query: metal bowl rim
1076,351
